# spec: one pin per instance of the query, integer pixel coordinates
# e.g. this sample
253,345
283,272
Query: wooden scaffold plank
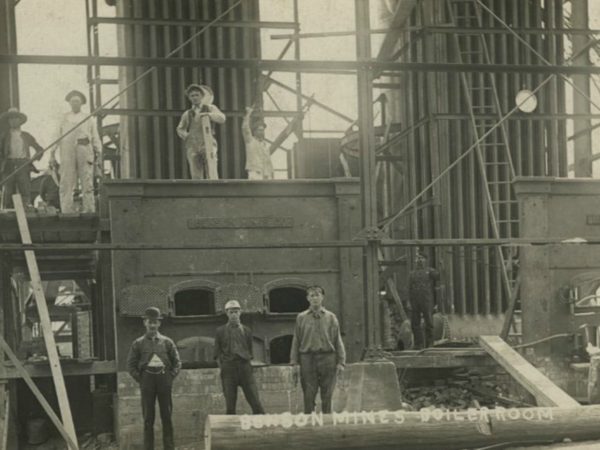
46,324
544,390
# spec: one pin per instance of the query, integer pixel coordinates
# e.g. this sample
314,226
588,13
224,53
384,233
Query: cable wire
118,94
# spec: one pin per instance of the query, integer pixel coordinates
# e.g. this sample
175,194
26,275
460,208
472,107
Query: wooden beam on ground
46,325
427,429
414,359
545,391
36,392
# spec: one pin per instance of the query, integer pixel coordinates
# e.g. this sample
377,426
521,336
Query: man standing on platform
15,147
233,352
318,348
153,362
196,130
421,292
258,151
80,152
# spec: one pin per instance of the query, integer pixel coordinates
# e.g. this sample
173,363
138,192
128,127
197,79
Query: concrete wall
185,212
554,208
197,393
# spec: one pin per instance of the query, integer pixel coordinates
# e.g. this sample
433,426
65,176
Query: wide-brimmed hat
13,112
74,93
152,313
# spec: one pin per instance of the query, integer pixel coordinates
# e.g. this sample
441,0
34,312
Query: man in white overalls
80,150
195,129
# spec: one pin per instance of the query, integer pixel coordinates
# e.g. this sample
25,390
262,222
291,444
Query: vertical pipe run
367,173
583,142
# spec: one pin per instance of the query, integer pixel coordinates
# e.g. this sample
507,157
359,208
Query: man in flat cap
258,151
197,132
153,362
233,352
422,282
80,151
15,147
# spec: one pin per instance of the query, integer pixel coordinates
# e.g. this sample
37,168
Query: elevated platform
56,228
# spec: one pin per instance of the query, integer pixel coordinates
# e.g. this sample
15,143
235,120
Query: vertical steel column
581,105
299,126
367,174
9,88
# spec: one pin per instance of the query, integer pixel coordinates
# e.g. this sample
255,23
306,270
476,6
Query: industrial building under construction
471,149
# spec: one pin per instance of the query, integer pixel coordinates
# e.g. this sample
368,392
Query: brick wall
197,393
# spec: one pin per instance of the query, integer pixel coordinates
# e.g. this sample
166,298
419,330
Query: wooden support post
545,391
5,419
71,441
46,324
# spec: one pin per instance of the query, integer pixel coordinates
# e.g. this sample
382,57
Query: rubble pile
465,388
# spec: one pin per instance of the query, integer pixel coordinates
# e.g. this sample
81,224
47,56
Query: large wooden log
433,429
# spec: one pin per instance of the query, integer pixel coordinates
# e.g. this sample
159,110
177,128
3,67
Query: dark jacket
142,350
28,142
223,344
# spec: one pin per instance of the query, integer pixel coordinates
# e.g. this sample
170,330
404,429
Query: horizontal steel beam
177,113
388,67
358,243
75,368
192,23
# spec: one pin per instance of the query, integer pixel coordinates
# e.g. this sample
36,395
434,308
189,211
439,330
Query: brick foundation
197,393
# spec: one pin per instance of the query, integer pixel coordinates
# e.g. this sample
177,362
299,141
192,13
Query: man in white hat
233,352
15,146
80,150
201,155
153,362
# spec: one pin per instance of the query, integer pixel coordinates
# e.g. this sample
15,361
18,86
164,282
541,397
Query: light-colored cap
232,304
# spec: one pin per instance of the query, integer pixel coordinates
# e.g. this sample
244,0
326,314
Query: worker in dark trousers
421,291
15,154
233,352
318,349
153,361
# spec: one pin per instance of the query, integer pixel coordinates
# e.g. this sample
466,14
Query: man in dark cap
153,361
196,130
258,151
15,146
422,282
233,352
80,150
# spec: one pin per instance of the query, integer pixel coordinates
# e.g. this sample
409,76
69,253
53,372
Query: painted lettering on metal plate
240,222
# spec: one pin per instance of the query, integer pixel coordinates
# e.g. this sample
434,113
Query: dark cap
152,313
258,123
76,93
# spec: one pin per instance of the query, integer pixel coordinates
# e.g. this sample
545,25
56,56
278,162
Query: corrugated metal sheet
436,104
151,149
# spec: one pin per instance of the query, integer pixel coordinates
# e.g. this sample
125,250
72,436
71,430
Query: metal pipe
298,66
